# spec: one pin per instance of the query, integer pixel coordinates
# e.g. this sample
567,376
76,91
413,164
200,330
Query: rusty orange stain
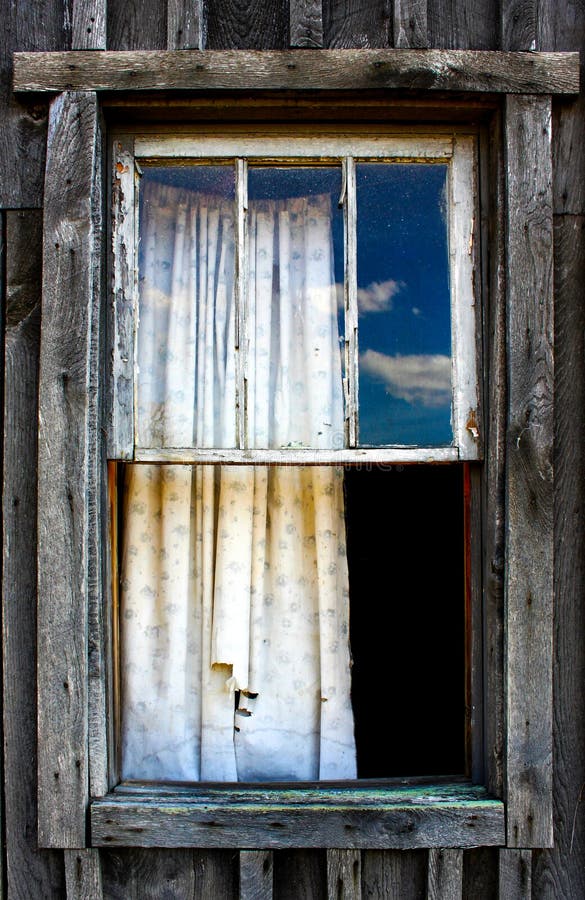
472,425
121,168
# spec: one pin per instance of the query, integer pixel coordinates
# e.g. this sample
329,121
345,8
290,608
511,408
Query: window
76,736
304,324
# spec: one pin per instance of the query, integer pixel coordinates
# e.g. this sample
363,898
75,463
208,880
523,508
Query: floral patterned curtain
234,588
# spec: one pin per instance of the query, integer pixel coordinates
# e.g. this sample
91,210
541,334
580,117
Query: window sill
398,815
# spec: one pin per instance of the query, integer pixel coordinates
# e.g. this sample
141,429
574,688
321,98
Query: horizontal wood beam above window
445,70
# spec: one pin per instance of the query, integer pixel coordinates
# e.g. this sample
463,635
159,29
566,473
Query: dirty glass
186,331
293,365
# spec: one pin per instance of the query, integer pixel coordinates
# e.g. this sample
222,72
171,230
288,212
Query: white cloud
417,378
378,295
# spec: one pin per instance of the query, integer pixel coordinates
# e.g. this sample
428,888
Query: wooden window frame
74,670
268,144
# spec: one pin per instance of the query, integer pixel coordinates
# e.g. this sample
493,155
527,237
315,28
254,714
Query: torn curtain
235,661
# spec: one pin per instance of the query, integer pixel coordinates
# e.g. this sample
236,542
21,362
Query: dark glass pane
403,305
186,331
294,375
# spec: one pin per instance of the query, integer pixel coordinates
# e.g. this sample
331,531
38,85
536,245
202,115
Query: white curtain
235,659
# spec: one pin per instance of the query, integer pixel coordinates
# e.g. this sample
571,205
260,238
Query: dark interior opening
405,532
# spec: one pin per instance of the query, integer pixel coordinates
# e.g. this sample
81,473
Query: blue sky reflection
404,304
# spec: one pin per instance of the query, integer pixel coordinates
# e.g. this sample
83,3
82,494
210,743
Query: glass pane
295,229
403,305
186,333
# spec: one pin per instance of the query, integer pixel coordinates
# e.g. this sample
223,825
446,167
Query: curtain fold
234,588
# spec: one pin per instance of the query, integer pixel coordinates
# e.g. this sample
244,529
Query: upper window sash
132,154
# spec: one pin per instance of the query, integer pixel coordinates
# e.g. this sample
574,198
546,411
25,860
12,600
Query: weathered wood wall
277,24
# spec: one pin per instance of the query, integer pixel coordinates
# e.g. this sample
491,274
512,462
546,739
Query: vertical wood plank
306,23
515,875
256,874
42,25
185,25
560,872
137,24
445,875
410,24
71,266
480,873
300,873
152,874
30,872
493,248
356,23
561,26
463,24
394,874
247,25
529,475
83,876
88,25
100,719
519,24
344,876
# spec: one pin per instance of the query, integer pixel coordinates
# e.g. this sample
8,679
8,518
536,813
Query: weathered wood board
71,267
529,472
29,872
458,70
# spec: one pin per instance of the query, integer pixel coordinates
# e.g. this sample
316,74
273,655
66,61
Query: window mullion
241,292
350,302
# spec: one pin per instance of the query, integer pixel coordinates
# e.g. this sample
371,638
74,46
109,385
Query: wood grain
155,874
394,874
71,259
30,872
25,26
529,475
256,874
300,873
464,24
455,70
185,25
247,24
83,876
88,25
480,873
515,874
562,26
99,643
344,875
137,24
356,23
410,24
445,875
519,20
494,500
559,872
306,23
278,818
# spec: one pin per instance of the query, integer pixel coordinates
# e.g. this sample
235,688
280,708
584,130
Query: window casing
142,817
